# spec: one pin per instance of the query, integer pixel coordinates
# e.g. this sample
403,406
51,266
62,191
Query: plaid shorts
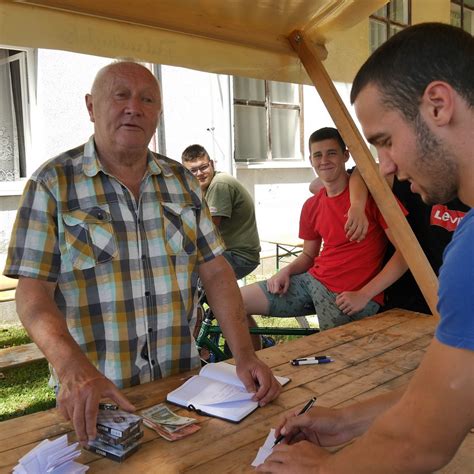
306,295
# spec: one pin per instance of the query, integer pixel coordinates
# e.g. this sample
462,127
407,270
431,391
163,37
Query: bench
285,248
19,355
7,288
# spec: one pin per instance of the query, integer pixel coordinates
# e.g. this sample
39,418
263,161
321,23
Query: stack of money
118,434
167,424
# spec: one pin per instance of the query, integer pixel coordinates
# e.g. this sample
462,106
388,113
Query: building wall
197,109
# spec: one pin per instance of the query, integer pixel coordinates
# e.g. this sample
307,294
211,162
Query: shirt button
150,330
153,362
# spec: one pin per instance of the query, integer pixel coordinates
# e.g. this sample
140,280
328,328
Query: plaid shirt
126,271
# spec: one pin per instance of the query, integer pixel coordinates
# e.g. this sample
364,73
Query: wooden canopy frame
239,37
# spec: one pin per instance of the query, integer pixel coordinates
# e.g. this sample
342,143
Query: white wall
61,121
193,102
196,110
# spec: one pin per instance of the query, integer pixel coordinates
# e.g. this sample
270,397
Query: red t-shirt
343,265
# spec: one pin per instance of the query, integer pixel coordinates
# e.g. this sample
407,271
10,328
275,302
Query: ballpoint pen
304,410
312,360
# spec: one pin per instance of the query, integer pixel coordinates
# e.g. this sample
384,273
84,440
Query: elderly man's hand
258,378
79,397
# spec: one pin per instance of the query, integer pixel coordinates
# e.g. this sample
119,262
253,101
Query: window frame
268,106
462,6
388,22
27,61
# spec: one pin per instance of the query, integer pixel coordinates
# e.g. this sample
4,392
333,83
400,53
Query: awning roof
239,37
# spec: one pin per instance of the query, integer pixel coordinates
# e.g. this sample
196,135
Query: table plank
371,356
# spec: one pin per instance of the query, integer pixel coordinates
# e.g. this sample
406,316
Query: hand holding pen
304,410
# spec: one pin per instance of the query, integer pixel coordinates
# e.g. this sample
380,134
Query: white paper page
212,392
61,456
32,454
265,450
226,372
71,468
222,371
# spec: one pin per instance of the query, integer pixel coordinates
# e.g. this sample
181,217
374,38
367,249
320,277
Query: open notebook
217,391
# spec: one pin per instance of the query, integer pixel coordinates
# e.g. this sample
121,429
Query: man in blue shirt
414,98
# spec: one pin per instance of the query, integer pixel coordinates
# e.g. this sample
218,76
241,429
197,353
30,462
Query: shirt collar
92,164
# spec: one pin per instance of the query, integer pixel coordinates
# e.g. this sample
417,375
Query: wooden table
371,356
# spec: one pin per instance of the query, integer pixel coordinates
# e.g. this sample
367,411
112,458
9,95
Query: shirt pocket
89,236
179,228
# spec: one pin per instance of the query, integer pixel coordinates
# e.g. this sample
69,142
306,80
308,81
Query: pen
310,361
304,410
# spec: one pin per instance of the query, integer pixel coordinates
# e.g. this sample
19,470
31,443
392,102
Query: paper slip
265,450
54,457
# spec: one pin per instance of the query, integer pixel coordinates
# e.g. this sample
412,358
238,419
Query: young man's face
203,169
411,151
328,160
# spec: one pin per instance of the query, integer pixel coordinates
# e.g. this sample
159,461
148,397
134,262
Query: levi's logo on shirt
446,218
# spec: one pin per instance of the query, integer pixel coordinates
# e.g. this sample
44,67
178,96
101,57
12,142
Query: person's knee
255,300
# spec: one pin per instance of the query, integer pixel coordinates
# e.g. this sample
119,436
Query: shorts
241,266
306,295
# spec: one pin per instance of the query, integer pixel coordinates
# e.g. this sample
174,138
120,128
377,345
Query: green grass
278,322
13,336
23,390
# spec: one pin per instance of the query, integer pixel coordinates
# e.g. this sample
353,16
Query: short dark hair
193,152
409,61
326,133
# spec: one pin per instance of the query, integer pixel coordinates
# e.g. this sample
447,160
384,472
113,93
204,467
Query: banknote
162,415
181,433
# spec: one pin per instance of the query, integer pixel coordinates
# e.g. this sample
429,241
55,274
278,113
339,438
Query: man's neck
464,150
334,188
128,167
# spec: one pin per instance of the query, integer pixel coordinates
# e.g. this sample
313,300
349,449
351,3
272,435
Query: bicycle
209,335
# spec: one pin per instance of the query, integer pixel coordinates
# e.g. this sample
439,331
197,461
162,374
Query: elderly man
108,244
232,210
415,100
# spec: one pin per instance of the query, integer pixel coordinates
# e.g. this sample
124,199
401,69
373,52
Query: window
462,14
267,120
14,114
388,20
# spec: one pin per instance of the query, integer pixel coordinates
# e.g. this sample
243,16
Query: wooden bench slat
19,355
7,283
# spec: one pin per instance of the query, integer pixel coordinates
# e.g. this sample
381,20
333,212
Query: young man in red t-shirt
341,281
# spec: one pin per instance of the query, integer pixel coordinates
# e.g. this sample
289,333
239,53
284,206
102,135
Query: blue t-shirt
456,288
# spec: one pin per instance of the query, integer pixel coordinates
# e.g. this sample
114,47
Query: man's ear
346,155
437,103
90,107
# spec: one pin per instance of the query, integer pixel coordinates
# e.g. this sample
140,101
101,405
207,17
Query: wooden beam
404,238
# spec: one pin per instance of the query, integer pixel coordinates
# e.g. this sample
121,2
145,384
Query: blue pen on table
304,410
312,360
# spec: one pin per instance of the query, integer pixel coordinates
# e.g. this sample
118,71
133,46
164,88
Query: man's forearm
359,416
389,274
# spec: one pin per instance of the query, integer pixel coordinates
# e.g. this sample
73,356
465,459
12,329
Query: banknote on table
162,415
182,433
168,424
